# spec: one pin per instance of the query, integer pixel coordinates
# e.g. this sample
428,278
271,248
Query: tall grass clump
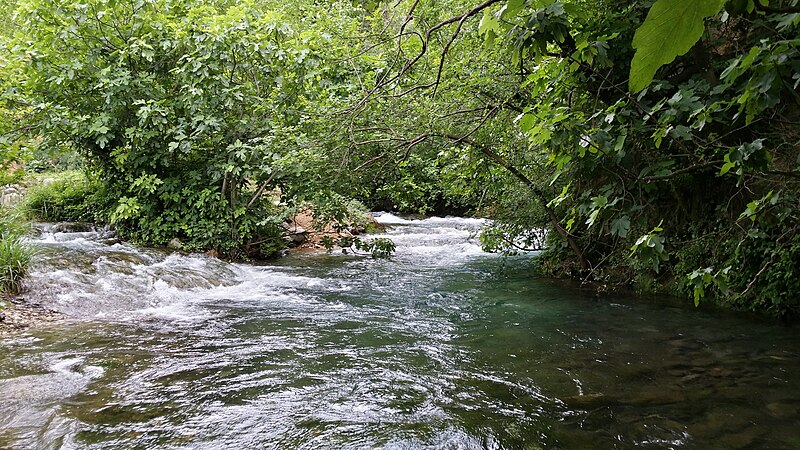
15,254
66,197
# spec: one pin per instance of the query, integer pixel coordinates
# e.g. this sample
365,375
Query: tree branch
693,168
543,200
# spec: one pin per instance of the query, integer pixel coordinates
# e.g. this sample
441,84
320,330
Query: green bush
15,254
15,258
44,158
767,275
11,177
340,212
70,197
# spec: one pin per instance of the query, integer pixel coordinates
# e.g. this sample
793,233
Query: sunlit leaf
671,28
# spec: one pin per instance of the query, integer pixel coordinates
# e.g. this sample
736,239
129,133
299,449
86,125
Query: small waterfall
90,273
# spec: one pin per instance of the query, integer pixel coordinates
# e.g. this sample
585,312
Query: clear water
442,347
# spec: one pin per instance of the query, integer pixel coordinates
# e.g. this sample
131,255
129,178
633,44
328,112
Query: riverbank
18,315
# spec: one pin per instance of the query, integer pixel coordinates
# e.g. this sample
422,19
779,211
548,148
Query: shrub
15,258
7,177
71,197
339,212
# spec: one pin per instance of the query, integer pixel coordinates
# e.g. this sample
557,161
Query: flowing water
441,347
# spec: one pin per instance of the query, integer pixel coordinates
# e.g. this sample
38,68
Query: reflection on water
441,347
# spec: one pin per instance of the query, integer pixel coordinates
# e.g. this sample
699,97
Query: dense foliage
188,112
654,140
687,180
69,197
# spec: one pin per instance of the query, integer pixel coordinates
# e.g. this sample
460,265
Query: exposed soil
312,238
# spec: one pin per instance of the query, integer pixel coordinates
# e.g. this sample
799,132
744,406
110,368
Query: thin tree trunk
537,192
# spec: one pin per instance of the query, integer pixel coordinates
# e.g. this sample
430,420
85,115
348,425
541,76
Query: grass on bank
15,254
51,197
63,197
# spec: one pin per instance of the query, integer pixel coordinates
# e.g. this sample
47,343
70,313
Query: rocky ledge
11,194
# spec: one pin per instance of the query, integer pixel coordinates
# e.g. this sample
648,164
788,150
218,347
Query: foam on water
448,222
435,241
86,274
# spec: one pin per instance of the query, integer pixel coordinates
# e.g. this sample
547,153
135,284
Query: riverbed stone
9,200
588,401
294,233
782,410
72,227
175,244
745,438
20,315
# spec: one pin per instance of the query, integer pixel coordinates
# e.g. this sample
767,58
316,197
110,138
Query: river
440,347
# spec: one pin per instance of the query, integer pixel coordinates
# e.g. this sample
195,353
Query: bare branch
424,40
261,189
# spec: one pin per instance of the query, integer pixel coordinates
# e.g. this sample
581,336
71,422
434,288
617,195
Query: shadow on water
441,347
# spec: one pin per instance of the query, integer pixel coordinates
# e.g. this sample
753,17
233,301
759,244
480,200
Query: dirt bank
312,234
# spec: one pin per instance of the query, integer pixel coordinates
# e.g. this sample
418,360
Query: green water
442,347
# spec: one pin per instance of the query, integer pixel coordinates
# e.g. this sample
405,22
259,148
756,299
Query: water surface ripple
441,347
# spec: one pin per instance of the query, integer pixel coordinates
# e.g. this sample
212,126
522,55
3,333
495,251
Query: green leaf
600,201
726,168
621,226
593,217
563,196
671,28
488,26
512,8
527,122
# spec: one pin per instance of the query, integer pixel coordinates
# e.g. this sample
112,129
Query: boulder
72,227
175,244
294,233
10,195
10,199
